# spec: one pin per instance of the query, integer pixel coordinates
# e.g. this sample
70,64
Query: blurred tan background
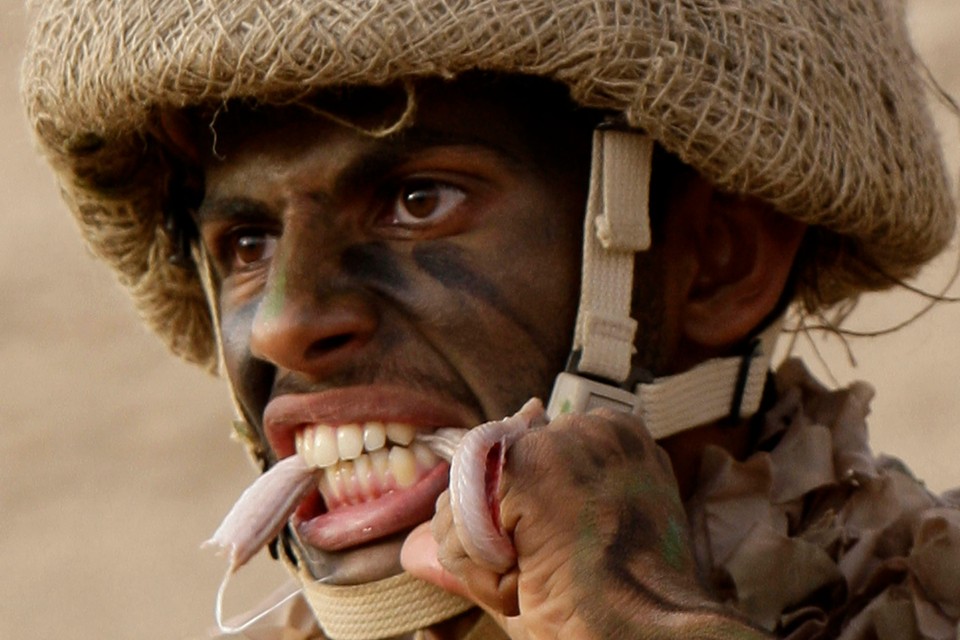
115,461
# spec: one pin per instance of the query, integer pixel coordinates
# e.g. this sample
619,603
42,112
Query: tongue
263,510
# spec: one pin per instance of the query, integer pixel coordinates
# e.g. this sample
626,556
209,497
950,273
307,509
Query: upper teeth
323,446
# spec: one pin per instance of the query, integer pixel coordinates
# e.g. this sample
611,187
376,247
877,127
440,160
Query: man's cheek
478,286
378,267
236,323
251,378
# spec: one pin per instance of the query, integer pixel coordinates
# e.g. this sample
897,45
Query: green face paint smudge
276,297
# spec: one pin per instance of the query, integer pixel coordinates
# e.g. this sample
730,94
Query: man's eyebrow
417,138
230,208
388,153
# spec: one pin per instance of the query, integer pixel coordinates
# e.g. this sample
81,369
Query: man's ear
740,253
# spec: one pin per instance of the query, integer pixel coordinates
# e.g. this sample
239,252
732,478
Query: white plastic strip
616,227
241,623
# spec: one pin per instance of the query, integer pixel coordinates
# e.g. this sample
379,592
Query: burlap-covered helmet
814,106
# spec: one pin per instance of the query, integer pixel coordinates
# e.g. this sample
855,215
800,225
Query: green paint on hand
673,547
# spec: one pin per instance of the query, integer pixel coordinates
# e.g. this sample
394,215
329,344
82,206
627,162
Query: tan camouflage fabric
838,544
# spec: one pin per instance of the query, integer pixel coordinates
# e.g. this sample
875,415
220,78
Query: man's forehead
493,112
364,107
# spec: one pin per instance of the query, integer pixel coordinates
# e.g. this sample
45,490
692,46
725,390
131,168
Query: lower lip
394,511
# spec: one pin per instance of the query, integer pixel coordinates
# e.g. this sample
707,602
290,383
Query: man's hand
594,513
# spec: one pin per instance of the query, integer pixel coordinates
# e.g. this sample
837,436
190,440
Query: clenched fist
600,547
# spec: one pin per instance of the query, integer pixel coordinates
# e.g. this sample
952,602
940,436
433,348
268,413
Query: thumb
418,557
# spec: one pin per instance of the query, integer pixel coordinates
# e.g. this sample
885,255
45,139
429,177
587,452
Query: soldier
386,223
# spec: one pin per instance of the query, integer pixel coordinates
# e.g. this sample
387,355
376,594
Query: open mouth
373,479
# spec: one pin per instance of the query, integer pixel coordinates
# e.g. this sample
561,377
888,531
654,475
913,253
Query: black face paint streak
445,263
255,380
253,377
374,262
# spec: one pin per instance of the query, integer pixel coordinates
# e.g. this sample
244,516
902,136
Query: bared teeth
371,475
328,486
346,472
380,464
361,462
374,436
363,471
426,459
349,441
322,446
400,433
403,466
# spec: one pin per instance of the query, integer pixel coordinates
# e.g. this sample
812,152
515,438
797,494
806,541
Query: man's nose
310,319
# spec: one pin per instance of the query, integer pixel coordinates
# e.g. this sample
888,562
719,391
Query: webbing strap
616,227
205,270
382,609
712,390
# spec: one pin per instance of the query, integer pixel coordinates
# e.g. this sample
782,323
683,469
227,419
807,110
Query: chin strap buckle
719,388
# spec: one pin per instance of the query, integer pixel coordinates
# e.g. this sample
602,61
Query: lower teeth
372,474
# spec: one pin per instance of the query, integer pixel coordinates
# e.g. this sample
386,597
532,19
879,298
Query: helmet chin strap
600,374
384,608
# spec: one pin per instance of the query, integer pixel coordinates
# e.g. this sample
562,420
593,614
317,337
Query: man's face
374,287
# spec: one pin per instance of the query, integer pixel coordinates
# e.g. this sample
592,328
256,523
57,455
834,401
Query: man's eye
425,202
248,247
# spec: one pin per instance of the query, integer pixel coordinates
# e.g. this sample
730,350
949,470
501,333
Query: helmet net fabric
814,107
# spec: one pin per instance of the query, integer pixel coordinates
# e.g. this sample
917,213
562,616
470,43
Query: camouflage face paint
375,264
274,301
448,264
477,313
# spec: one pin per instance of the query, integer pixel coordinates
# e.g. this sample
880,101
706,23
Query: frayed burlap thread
813,106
